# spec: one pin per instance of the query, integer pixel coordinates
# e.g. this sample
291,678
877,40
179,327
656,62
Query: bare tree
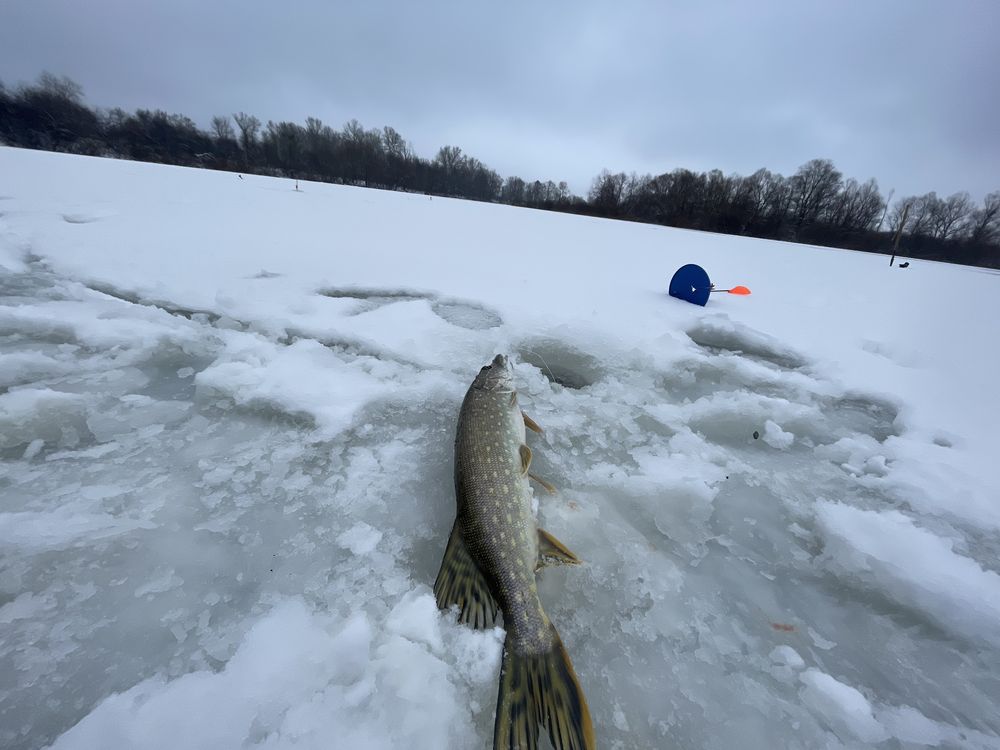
223,129
856,207
912,214
449,158
53,113
249,127
283,145
719,190
60,86
608,191
751,192
449,161
948,215
534,193
983,224
512,191
395,145
320,147
363,153
813,186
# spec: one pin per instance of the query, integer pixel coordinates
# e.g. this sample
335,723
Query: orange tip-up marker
735,290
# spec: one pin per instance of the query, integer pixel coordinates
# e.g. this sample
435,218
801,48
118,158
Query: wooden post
899,234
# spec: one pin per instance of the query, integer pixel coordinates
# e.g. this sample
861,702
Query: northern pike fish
493,552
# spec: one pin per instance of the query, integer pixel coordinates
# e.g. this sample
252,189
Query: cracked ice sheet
181,483
306,378
306,679
914,566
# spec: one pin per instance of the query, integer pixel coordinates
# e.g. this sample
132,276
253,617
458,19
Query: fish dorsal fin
525,459
460,582
531,424
553,552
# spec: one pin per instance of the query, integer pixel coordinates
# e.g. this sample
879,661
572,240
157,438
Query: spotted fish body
490,562
495,510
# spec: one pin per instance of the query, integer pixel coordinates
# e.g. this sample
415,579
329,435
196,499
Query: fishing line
552,375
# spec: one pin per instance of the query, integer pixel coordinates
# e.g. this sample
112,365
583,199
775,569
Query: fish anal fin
531,424
525,459
553,552
460,582
549,487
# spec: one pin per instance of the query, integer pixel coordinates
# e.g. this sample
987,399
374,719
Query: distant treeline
815,205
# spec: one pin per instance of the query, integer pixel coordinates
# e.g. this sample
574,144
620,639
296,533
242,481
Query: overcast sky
906,91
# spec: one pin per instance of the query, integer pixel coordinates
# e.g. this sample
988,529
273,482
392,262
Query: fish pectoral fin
550,488
525,459
460,582
531,424
553,552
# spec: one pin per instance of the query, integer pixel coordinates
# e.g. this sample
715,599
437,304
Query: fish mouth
498,376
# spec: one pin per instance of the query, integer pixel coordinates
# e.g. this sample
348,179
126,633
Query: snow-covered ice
226,420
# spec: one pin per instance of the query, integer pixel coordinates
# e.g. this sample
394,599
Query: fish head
497,377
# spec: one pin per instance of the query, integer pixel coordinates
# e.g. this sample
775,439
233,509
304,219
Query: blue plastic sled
691,284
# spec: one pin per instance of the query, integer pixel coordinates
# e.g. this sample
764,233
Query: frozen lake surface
226,422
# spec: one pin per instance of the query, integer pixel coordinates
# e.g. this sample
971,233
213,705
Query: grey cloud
902,91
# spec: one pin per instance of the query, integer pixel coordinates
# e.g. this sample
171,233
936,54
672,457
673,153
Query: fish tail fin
541,690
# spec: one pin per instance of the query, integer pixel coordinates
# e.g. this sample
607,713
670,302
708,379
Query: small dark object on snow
756,434
905,265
